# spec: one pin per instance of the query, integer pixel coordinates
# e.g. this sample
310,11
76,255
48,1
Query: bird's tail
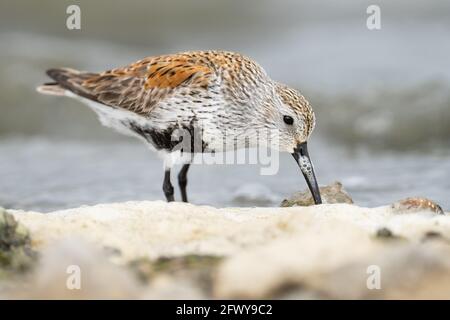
51,88
65,79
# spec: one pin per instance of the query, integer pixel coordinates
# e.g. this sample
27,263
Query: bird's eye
288,120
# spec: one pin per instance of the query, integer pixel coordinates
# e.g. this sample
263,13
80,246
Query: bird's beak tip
301,156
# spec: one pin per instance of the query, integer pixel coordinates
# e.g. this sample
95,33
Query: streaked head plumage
293,117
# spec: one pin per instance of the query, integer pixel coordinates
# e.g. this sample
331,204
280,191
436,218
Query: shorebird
224,93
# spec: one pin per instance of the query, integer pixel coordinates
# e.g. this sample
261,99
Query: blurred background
382,97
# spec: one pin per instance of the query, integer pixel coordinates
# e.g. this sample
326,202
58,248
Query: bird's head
294,120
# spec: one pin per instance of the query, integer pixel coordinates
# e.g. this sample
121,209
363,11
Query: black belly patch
171,139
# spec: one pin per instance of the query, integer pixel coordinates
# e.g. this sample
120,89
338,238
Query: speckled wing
139,86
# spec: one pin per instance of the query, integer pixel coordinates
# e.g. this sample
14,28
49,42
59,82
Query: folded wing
140,86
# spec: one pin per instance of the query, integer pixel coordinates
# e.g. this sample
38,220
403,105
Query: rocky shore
161,250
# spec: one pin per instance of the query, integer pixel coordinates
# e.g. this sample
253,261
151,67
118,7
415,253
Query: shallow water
39,174
381,97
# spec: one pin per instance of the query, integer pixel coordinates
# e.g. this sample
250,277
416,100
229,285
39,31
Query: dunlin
224,93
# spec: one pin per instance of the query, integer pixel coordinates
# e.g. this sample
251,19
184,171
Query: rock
159,250
386,234
334,193
417,204
16,254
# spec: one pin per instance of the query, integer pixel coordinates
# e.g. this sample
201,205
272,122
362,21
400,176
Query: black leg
167,186
182,181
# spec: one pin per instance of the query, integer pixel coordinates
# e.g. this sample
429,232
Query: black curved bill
304,162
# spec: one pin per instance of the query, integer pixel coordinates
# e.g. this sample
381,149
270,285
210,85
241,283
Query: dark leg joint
182,181
167,187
